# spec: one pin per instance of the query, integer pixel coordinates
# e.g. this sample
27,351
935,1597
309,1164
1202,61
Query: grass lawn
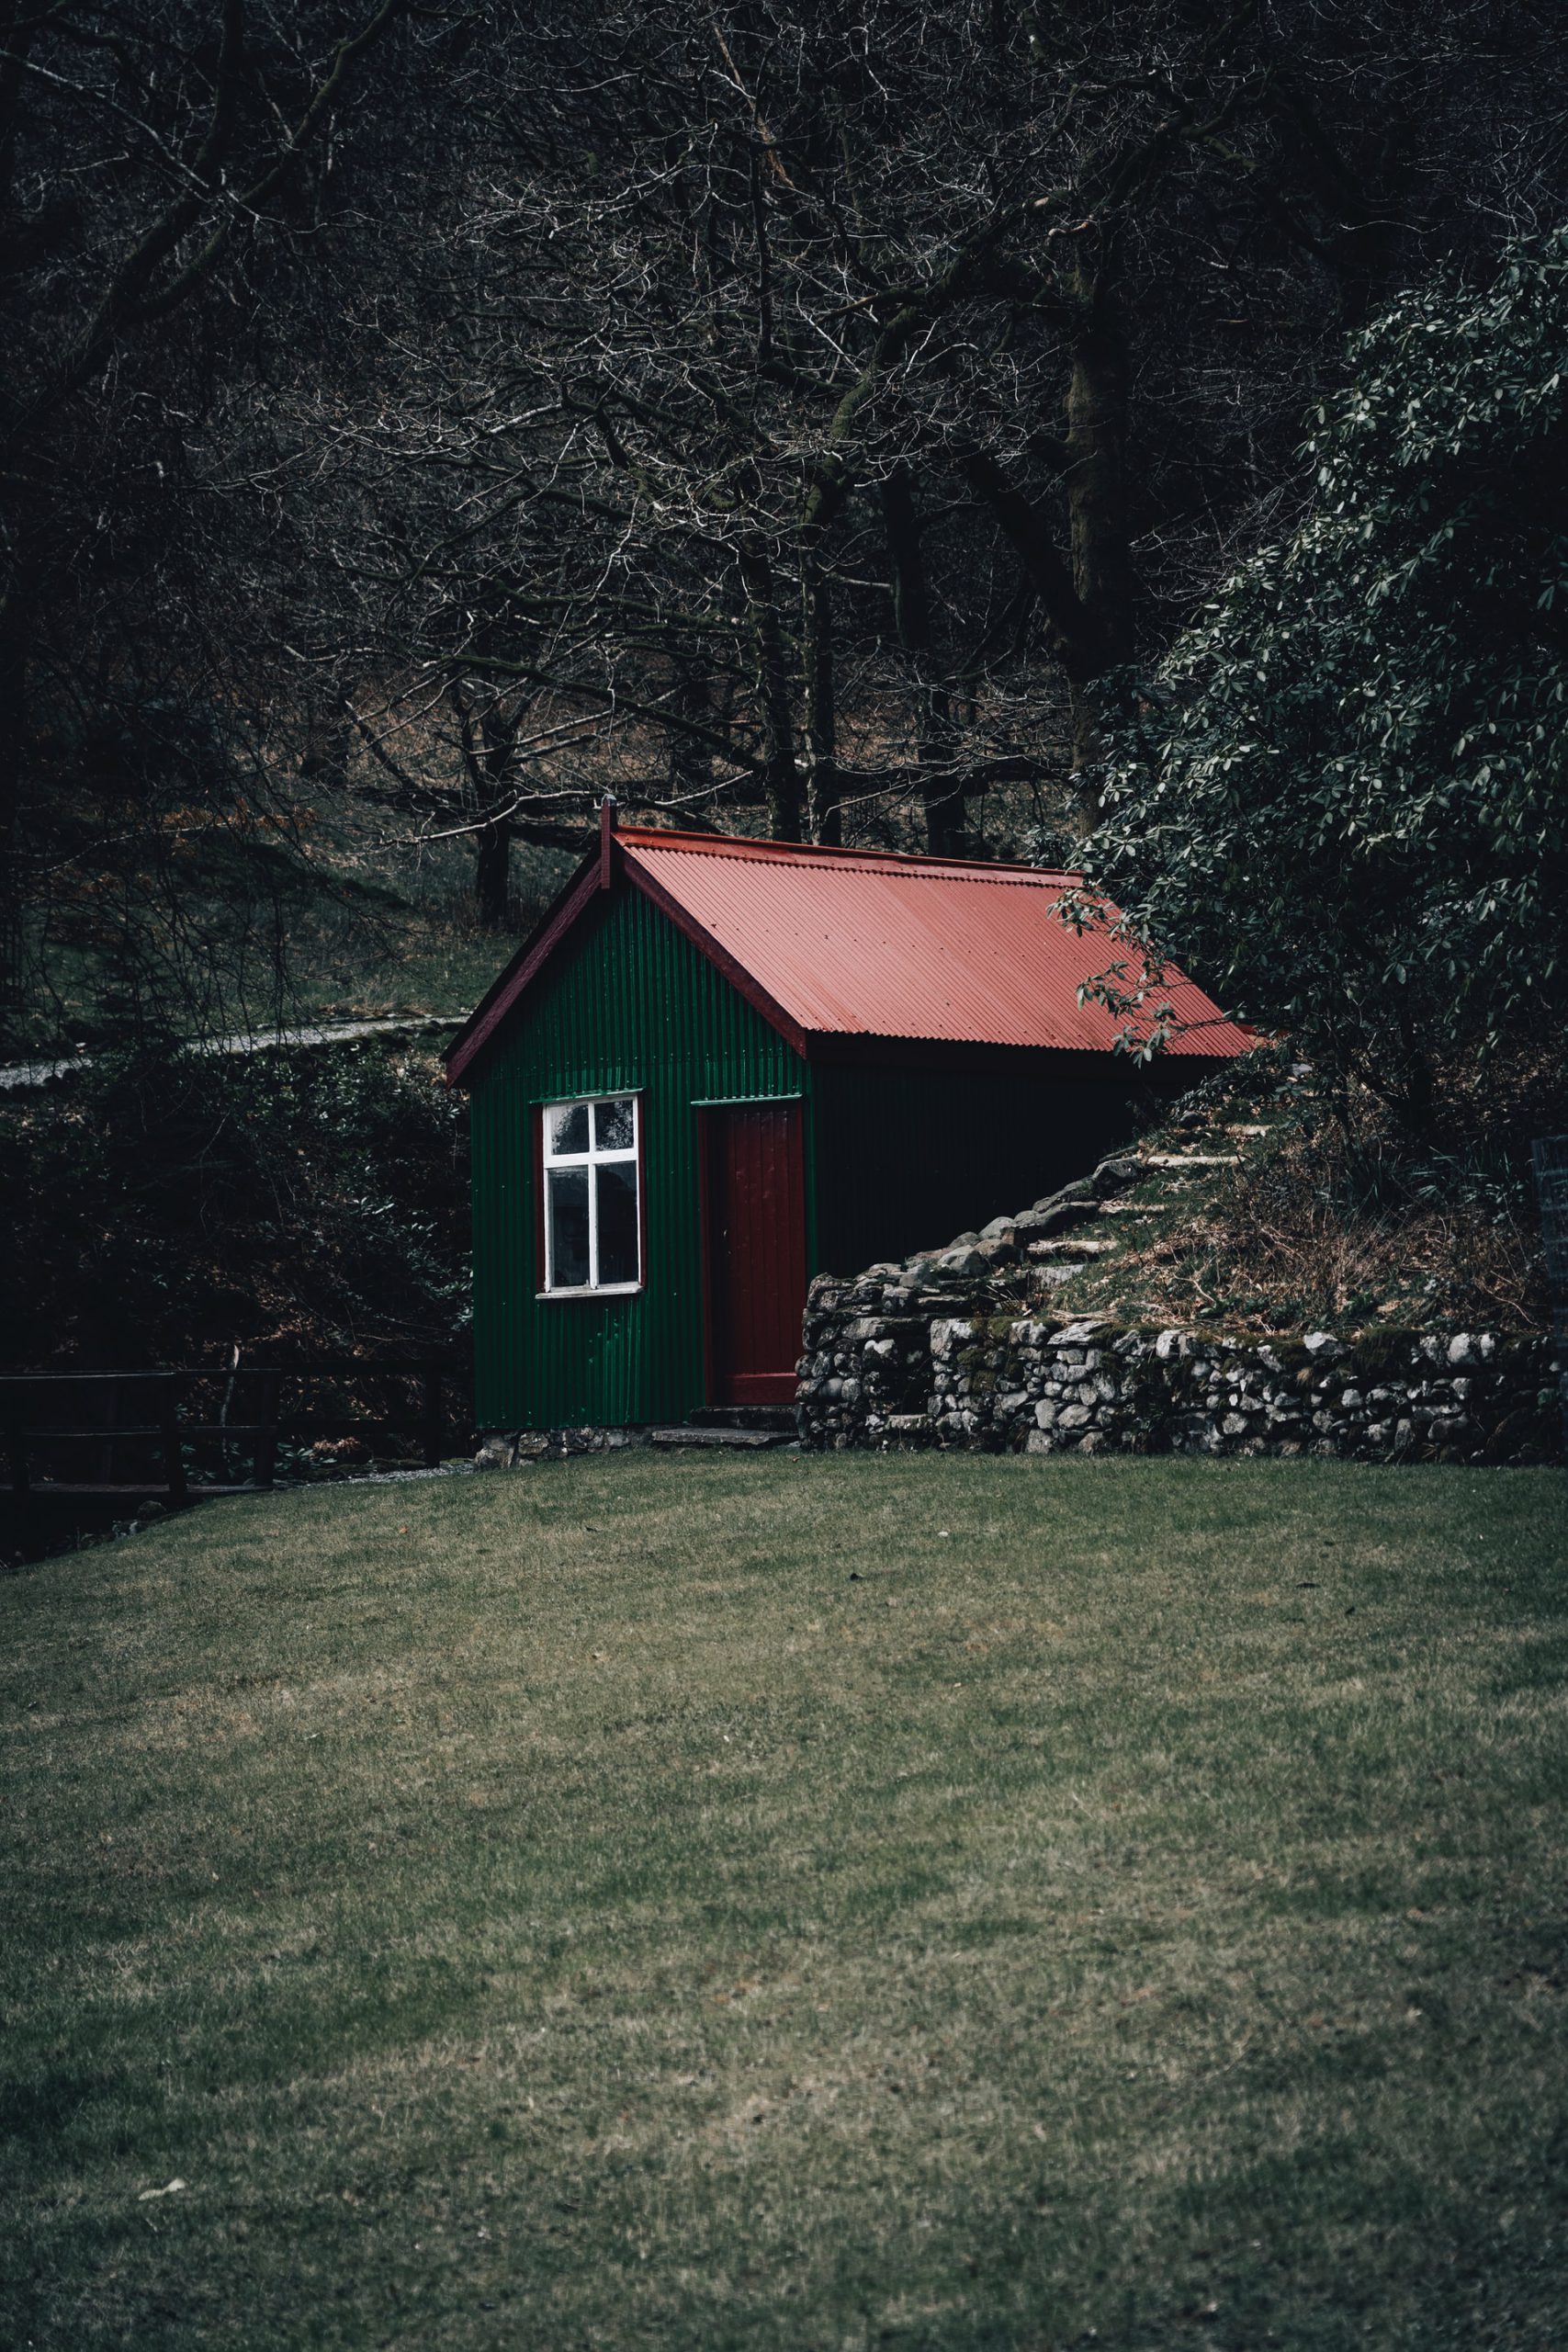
795,1904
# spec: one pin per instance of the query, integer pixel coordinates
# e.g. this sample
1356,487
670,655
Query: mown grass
777,1902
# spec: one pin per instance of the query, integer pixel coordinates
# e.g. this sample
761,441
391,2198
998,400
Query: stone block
1081,1189
996,1253
1115,1174
1056,1216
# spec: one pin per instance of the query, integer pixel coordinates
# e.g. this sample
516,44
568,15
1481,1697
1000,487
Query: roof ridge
759,848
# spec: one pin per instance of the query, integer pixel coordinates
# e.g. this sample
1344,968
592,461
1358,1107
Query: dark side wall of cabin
902,1149
914,1148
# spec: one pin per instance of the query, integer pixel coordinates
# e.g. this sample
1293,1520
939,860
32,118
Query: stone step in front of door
688,1434
778,1418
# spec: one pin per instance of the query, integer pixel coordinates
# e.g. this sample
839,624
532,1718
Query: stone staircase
1119,1207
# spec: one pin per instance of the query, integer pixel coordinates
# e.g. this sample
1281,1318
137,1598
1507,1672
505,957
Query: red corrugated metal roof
856,944
859,943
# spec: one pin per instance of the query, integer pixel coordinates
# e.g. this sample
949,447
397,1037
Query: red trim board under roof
834,944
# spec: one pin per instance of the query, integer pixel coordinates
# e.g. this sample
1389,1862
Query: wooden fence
180,1434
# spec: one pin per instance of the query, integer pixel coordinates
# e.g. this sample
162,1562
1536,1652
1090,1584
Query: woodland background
1119,435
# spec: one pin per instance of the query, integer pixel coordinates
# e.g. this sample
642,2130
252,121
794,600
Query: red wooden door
754,1240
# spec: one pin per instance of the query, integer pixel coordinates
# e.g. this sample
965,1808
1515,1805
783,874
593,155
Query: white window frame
592,1159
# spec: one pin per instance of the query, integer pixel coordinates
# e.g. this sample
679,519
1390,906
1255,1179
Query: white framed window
591,1165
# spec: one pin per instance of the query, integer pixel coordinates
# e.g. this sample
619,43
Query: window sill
605,1290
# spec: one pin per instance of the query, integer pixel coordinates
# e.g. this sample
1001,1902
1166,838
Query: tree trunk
781,778
941,790
493,874
690,760
329,739
13,727
1097,512
823,790
488,738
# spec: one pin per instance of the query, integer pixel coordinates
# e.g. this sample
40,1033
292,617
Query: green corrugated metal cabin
720,1066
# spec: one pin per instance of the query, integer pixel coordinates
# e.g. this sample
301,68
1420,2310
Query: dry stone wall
959,1347
892,1362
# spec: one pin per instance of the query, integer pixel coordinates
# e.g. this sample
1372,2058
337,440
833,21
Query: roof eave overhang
841,1047
493,1009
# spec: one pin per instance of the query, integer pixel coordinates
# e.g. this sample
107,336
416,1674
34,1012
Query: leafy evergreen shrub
168,1205
1345,800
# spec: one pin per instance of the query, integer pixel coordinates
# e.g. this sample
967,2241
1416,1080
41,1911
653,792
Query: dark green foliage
1346,801
169,1205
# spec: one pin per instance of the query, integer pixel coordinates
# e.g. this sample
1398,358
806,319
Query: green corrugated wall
634,1006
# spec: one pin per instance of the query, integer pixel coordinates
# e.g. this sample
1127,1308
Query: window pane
566,1129
569,1227
612,1129
617,1221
